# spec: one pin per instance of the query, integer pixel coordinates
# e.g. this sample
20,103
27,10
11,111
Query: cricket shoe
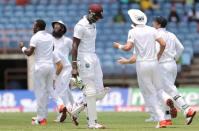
62,109
169,122
96,126
190,115
74,118
162,124
35,121
173,110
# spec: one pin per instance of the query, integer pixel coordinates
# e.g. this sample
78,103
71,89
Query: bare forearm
161,50
75,52
59,69
28,52
74,57
162,47
132,59
127,47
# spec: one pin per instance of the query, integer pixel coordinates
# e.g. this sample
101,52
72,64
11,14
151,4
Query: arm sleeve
78,32
33,41
157,35
179,48
130,37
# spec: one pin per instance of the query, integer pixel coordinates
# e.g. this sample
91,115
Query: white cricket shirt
87,34
64,47
56,57
144,38
173,48
43,43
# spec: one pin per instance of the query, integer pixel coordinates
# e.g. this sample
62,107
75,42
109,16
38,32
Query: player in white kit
86,64
144,38
41,46
62,49
168,66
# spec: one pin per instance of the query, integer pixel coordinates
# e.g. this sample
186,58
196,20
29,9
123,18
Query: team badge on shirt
87,65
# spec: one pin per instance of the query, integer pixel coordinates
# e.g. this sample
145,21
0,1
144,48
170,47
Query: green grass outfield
115,121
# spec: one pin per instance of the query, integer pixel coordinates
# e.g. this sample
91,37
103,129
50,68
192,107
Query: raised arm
127,47
27,51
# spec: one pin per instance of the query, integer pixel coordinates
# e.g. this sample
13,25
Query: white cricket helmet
137,16
60,22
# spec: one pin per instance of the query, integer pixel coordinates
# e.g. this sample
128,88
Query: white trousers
91,73
149,80
43,87
169,73
62,89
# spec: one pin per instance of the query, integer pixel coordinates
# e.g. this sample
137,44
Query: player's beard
91,18
57,34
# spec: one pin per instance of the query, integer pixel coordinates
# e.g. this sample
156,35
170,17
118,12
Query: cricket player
41,46
86,64
62,50
144,38
168,66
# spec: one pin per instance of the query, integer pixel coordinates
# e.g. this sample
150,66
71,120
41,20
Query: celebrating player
41,44
144,39
168,66
63,47
86,63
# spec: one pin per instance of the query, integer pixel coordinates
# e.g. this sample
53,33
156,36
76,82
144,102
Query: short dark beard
57,34
91,19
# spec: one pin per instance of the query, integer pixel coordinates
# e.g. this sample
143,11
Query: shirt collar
41,31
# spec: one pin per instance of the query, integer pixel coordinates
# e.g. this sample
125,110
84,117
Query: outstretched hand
123,60
116,45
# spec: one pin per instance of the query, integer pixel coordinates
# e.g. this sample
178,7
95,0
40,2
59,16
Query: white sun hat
137,16
60,22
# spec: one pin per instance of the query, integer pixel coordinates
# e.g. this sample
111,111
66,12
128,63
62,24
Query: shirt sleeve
33,41
130,37
78,31
157,35
179,48
56,57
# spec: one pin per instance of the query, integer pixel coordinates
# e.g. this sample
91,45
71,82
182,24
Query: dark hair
41,24
161,20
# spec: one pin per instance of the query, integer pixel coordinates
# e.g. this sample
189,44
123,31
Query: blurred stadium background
17,17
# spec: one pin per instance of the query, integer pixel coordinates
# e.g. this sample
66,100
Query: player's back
144,39
171,41
43,43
